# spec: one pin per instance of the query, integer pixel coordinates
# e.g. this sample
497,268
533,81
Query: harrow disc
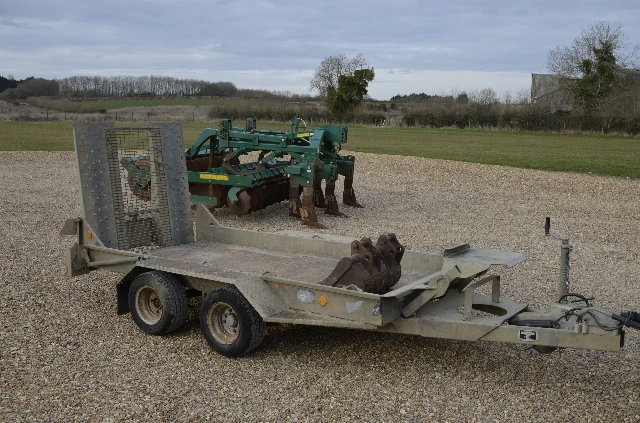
242,206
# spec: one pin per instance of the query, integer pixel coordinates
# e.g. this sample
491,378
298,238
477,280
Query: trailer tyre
158,302
229,323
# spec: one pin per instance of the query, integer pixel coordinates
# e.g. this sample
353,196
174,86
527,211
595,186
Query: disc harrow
290,167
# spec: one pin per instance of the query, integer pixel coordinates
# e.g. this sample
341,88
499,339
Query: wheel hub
230,322
223,323
148,305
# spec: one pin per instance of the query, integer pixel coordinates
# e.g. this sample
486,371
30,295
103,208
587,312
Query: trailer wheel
229,323
158,302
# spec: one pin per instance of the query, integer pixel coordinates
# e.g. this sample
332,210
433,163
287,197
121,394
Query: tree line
133,86
517,117
141,86
461,98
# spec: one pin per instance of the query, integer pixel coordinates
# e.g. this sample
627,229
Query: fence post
131,116
116,116
193,117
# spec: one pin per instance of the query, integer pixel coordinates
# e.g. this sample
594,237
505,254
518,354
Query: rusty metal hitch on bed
371,268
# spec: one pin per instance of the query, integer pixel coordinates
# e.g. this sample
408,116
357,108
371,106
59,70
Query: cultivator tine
349,195
308,209
318,196
294,199
332,202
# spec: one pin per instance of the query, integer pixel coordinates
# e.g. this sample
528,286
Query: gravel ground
66,356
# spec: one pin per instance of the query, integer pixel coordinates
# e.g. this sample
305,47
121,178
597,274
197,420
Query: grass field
92,106
607,155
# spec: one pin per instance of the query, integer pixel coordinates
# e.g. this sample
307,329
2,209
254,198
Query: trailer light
89,234
322,300
305,296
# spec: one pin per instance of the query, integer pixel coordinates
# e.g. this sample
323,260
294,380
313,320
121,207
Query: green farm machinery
289,166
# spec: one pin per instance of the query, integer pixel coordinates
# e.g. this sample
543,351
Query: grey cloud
211,37
24,25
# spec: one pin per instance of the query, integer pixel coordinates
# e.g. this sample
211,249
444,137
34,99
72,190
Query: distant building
546,92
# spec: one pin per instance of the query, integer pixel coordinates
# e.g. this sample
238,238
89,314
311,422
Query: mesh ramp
125,209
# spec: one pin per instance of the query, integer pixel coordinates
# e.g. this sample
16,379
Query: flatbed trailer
250,278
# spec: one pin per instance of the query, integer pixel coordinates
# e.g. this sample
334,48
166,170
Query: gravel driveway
66,356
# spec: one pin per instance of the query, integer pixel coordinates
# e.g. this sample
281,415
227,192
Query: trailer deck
248,278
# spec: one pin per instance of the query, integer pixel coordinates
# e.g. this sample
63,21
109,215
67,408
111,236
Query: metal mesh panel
138,183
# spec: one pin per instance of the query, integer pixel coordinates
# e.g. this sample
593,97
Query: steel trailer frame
280,275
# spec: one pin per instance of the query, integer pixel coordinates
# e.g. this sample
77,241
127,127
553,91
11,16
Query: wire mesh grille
139,188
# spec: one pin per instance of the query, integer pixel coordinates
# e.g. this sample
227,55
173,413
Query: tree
591,69
33,87
342,82
598,78
330,70
220,89
7,83
486,97
462,98
349,92
523,97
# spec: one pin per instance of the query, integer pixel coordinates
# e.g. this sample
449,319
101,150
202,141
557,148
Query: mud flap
122,291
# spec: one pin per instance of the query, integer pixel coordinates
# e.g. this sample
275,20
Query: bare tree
523,96
507,97
596,70
485,96
327,75
567,61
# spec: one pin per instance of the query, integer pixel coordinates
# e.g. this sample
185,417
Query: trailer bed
311,269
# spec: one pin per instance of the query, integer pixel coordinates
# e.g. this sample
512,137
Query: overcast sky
436,47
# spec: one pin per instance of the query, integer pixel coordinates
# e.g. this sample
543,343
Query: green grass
58,136
602,154
607,154
36,136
